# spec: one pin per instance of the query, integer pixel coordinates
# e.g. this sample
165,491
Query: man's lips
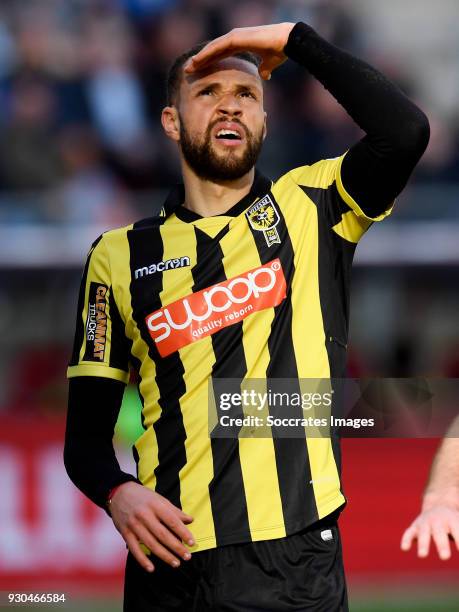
229,125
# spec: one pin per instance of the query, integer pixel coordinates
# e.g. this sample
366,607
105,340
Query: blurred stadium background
82,151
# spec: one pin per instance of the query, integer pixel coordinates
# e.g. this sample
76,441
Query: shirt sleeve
377,167
322,183
100,345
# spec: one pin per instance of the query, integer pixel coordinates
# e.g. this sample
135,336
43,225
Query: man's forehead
236,67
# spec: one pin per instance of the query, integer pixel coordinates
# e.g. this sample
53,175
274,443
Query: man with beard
239,277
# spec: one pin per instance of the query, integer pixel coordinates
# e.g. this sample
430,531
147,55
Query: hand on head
267,42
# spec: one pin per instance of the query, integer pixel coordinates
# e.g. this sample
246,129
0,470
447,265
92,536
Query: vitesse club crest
263,217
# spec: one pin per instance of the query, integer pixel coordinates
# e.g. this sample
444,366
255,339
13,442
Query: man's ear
171,122
265,126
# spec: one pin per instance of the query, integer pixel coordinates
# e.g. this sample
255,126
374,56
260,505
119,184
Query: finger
440,537
265,69
200,60
164,554
173,522
269,63
150,540
221,45
137,552
187,520
423,540
455,531
170,541
408,537
195,66
185,517
219,48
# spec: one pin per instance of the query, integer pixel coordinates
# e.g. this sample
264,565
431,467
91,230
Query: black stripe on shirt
226,489
145,244
335,265
293,469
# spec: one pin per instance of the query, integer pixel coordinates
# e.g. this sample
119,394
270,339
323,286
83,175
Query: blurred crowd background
82,85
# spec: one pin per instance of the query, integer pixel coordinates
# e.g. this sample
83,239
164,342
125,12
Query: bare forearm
443,484
439,516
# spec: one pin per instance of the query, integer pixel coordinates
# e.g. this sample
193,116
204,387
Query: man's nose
230,105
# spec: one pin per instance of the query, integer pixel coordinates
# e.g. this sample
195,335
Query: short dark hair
174,75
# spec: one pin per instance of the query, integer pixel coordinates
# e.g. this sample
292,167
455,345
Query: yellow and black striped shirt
260,292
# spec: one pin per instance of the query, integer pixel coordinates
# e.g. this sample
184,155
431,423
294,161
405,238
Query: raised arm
375,169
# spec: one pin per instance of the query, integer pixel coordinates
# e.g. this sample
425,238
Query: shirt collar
174,201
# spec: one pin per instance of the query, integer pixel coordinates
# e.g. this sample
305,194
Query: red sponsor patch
203,313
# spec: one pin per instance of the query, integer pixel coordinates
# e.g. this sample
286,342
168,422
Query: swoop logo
203,313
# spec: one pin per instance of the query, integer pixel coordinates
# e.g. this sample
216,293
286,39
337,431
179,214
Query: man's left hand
267,41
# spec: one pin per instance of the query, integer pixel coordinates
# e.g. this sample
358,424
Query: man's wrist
287,28
297,38
448,496
111,492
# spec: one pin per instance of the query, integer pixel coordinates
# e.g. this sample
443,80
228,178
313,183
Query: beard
209,165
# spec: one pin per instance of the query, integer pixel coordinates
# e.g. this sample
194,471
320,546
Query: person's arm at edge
376,169
439,516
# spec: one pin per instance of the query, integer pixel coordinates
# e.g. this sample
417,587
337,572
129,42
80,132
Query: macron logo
162,266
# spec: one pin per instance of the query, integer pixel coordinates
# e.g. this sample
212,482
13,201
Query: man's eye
205,92
247,93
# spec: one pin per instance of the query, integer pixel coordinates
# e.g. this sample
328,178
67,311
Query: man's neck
207,198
